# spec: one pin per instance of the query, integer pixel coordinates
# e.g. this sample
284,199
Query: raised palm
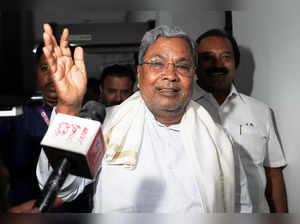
68,74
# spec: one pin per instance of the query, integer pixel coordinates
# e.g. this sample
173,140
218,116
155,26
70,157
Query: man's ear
139,71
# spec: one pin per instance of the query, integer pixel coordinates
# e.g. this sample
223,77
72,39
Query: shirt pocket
254,143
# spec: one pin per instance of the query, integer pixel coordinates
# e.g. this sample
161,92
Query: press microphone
73,145
93,110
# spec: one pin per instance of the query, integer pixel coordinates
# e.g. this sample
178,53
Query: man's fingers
79,59
64,43
64,38
58,52
60,74
48,41
48,30
78,54
51,60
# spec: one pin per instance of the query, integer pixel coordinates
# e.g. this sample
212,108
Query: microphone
72,145
93,110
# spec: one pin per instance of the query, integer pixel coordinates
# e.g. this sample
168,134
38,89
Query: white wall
269,30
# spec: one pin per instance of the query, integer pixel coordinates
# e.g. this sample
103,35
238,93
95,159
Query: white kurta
250,124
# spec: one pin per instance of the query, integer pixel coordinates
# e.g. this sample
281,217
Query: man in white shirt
247,120
154,160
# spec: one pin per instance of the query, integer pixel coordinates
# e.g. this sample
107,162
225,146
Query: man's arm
275,190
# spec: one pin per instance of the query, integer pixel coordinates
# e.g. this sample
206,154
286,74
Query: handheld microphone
72,145
93,110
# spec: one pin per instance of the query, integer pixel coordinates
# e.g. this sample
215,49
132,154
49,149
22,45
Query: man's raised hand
68,74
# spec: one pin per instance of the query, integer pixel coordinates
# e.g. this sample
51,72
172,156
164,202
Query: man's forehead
117,81
162,46
175,41
117,78
212,43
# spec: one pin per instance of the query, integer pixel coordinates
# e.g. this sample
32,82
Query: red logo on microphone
70,130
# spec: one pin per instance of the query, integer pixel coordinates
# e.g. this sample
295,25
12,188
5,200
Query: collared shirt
249,122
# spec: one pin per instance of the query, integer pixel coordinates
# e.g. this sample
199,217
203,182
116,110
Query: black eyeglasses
185,69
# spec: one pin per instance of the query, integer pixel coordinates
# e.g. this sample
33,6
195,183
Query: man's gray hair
165,31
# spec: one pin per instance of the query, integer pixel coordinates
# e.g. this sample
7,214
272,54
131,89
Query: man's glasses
185,69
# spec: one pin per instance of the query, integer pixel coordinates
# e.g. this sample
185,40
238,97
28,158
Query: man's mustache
216,71
50,85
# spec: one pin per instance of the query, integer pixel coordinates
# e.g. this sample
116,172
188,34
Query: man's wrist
70,110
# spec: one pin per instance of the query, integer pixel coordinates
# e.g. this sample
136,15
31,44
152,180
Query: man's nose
118,96
49,77
219,62
170,72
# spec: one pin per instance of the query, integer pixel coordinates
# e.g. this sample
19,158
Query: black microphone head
93,110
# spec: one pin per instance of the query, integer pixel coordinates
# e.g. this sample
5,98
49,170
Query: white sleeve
72,186
274,154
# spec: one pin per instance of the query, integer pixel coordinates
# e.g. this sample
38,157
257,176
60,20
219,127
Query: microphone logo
77,139
67,129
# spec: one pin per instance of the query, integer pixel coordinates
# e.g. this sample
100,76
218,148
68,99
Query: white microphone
79,140
72,145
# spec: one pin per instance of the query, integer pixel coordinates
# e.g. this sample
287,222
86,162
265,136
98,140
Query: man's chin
52,98
114,104
171,107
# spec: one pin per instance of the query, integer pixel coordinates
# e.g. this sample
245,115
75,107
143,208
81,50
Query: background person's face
167,90
44,82
115,90
216,67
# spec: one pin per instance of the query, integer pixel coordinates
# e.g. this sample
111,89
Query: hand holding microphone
72,145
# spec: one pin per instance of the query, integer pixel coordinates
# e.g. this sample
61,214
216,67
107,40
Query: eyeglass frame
166,65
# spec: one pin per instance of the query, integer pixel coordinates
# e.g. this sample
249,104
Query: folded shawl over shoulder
207,146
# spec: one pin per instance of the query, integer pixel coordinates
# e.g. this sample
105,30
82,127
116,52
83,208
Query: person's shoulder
111,110
205,116
253,102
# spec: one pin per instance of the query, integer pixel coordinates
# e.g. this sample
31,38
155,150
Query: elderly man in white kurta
246,119
165,154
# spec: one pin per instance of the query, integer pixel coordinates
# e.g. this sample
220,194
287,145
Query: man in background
116,84
246,119
21,137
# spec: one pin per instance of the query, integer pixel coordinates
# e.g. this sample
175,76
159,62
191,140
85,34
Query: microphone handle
53,185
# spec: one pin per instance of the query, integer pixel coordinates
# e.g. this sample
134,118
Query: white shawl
207,146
